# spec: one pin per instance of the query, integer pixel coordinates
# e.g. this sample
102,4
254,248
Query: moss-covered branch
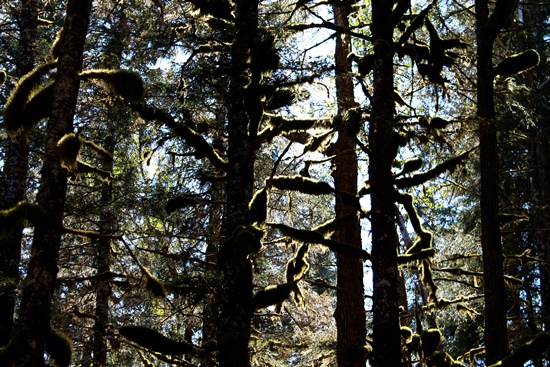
302,184
21,213
156,342
315,237
528,351
420,178
194,139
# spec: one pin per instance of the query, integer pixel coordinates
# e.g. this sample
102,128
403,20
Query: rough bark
350,307
103,248
236,288
210,316
495,336
15,168
33,325
382,142
107,223
542,200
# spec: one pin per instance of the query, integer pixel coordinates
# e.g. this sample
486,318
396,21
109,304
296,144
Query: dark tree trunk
496,340
33,324
542,214
103,287
15,169
107,224
350,307
210,315
236,288
383,144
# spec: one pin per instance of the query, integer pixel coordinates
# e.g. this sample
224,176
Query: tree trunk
103,287
236,288
496,340
15,168
107,223
542,204
33,325
383,144
350,307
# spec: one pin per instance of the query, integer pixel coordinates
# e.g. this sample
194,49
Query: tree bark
15,168
33,324
542,204
103,287
495,336
350,313
236,288
107,223
383,144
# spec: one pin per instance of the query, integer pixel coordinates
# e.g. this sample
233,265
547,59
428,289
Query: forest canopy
274,183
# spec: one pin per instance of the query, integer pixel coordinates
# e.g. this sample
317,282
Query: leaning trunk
15,168
33,326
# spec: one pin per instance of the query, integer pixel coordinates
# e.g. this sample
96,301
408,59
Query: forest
243,183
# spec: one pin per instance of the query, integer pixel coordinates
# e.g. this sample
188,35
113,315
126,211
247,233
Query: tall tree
350,312
496,340
16,167
242,128
383,144
33,328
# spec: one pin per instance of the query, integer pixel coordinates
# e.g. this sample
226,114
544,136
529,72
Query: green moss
242,242
272,295
417,22
416,51
415,343
179,202
59,347
56,45
297,266
355,352
84,168
106,157
15,217
438,123
257,208
153,284
319,142
417,179
528,351
280,98
430,341
517,63
333,224
412,165
443,359
155,341
302,184
365,64
406,334
123,83
426,253
299,234
68,148
11,219
39,106
316,237
424,243
14,112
